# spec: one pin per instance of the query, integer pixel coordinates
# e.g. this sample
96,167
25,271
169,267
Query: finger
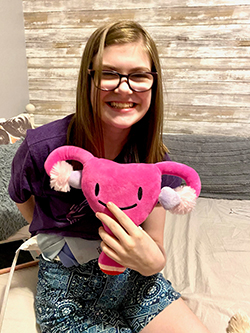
114,226
108,239
110,252
122,218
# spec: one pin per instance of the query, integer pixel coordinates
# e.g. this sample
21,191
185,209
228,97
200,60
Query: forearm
27,209
154,227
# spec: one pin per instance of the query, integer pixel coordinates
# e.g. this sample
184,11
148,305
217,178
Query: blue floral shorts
84,299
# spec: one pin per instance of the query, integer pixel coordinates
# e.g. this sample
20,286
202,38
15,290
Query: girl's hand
130,245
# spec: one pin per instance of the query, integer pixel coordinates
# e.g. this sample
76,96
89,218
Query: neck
114,142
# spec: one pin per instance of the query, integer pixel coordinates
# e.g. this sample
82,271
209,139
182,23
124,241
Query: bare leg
176,318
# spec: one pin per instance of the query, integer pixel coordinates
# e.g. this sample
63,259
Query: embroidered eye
97,189
139,194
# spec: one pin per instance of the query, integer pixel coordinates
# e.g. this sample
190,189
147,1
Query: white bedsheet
208,259
20,315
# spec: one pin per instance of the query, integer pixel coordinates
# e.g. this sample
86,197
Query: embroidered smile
122,208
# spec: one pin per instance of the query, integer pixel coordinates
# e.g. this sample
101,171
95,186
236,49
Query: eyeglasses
110,80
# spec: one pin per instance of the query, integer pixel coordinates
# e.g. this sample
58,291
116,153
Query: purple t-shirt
64,214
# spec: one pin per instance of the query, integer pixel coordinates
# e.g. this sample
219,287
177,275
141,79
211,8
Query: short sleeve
23,175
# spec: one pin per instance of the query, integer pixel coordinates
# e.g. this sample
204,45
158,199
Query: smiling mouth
122,208
120,105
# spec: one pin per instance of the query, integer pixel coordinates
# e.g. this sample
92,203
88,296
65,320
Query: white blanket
208,259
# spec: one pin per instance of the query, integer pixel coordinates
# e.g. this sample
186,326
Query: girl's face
122,107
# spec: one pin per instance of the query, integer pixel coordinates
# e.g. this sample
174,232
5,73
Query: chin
125,121
121,126
122,123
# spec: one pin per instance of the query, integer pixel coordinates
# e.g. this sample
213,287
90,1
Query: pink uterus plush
134,187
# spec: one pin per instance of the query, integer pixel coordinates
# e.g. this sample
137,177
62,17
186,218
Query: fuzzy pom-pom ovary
181,200
134,187
60,175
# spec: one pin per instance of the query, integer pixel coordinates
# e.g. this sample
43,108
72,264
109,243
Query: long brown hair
85,129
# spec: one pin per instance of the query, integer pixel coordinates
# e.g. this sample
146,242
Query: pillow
14,128
11,219
222,162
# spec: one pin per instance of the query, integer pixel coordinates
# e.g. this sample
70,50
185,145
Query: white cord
7,289
30,244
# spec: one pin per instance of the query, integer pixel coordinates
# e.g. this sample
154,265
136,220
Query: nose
123,87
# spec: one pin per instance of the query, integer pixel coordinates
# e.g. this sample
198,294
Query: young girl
119,116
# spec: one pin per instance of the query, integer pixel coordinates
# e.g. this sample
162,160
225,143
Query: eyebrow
134,69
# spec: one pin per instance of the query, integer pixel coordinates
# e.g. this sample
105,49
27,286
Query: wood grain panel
155,16
204,48
75,5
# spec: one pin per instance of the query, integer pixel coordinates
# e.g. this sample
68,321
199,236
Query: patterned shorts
83,299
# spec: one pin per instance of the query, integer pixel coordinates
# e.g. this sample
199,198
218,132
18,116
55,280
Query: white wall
14,90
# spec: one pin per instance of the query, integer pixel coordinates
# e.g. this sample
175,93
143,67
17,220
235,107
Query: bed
208,250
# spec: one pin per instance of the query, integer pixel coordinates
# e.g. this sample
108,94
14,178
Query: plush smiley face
134,187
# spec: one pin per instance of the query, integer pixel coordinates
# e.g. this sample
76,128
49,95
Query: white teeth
121,105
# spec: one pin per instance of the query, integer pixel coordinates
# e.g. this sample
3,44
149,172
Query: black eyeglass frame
91,72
